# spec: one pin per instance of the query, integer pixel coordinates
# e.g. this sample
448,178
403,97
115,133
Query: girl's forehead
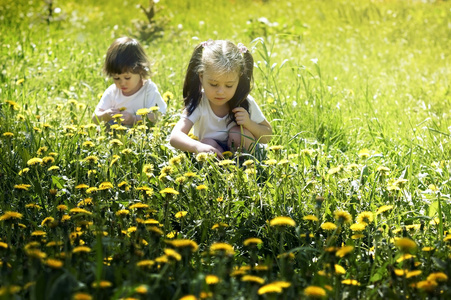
123,74
221,76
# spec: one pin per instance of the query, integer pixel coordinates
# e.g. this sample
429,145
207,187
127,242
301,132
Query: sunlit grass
350,199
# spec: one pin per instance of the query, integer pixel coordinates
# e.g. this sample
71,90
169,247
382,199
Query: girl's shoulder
148,82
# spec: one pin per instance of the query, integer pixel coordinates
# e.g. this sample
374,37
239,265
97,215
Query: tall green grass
357,93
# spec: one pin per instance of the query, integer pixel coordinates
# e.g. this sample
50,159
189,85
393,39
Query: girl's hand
129,119
241,116
112,111
201,147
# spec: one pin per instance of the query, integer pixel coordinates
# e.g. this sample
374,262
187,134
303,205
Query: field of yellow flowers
350,200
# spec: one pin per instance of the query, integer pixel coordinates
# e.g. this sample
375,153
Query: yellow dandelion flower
307,152
413,273
184,243
364,153
190,175
47,221
106,185
171,253
261,268
139,206
383,170
335,170
169,190
383,209
91,159
427,249
211,279
181,214
142,289
342,216
252,278
81,296
405,244
24,171
34,161
249,163
270,288
282,221
226,162
122,212
116,142
33,206
282,284
339,270
350,282
438,277
427,285
54,263
81,249
167,96
142,111
91,190
358,227
310,218
145,263
400,272
103,284
314,291
201,187
82,186
353,166
250,171
400,182
62,207
11,215
36,253
275,148
4,245
126,151
365,217
329,226
22,186
252,242
8,134
78,210
222,247
188,297
270,162
155,230
343,251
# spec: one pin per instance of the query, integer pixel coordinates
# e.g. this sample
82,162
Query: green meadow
350,199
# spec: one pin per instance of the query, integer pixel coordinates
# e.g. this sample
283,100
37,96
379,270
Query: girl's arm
262,132
179,139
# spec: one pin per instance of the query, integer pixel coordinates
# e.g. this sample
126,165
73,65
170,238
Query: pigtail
192,91
244,86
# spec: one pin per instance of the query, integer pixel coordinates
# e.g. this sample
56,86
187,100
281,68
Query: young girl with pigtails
218,106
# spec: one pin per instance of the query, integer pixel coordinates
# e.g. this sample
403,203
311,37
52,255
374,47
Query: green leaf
58,182
433,208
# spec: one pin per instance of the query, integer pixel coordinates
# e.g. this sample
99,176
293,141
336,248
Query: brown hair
126,55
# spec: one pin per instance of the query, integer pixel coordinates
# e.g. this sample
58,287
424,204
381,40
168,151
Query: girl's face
129,83
219,87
